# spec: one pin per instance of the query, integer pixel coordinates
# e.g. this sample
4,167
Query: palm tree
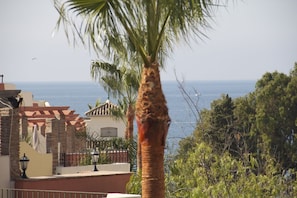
151,27
97,104
121,82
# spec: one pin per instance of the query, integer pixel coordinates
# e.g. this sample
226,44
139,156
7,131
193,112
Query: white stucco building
102,125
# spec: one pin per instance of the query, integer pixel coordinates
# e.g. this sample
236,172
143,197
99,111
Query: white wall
96,123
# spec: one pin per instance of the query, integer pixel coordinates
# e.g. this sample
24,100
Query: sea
184,99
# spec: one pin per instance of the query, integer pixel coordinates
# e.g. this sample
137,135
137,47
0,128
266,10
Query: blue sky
247,39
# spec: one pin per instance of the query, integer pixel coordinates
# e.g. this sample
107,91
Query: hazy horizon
247,39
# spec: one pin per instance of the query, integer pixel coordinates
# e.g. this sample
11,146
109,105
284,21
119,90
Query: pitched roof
102,110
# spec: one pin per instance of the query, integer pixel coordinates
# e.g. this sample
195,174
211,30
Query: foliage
104,144
134,184
262,122
231,157
131,146
151,28
243,147
113,28
120,81
276,116
97,104
85,159
204,173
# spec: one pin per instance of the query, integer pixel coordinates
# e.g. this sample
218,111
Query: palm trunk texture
139,160
153,122
130,117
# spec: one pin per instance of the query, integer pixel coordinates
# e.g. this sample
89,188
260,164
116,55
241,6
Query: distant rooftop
102,110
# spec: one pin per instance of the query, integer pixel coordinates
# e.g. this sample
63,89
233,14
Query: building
9,134
43,132
48,130
101,124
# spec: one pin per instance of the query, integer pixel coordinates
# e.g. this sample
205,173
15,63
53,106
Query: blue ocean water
78,95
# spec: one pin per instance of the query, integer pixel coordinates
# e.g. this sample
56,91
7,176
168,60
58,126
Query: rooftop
102,110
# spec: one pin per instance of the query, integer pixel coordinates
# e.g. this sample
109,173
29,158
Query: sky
247,39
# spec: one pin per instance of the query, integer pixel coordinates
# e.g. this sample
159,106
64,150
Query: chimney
2,87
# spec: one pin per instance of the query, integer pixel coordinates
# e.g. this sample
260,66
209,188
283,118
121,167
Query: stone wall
58,140
4,134
15,146
9,136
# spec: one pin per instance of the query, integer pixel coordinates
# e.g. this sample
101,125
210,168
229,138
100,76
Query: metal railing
30,193
84,158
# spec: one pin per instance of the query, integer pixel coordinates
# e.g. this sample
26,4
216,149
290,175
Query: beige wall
39,164
96,123
4,172
9,86
27,98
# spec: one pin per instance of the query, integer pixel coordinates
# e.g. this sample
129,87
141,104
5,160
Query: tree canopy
242,147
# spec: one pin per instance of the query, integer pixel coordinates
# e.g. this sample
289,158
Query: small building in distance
101,124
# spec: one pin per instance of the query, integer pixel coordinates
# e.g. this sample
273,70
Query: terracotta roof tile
47,113
67,112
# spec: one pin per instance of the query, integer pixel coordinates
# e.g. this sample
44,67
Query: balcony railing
105,157
29,193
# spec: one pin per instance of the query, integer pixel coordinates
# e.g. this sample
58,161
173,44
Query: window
109,132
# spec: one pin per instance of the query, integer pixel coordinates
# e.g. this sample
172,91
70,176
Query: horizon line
91,81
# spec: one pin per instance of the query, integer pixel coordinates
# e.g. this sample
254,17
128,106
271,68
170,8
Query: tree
217,126
97,104
245,125
205,173
121,82
203,168
222,122
275,116
151,27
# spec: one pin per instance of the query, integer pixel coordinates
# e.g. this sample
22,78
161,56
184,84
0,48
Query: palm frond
149,28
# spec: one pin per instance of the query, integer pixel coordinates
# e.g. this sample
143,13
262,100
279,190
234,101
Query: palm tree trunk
130,117
139,160
153,122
